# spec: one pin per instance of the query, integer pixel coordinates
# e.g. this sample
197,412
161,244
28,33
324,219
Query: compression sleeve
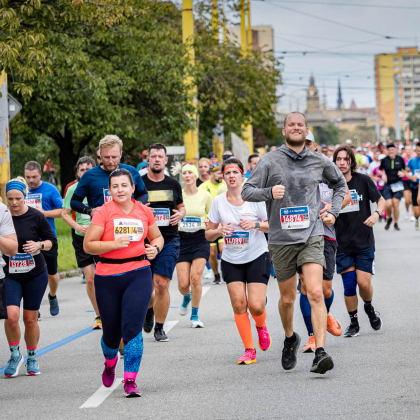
76,204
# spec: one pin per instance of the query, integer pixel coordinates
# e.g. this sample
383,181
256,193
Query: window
396,68
396,60
406,58
416,82
416,59
407,89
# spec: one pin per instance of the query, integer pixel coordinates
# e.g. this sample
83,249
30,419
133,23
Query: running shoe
396,226
406,215
322,363
374,318
249,357
333,326
83,280
216,279
97,325
54,308
183,309
352,330
196,323
108,376
288,358
32,368
39,316
388,223
264,338
160,335
121,349
310,346
412,219
149,322
209,275
416,224
130,389
13,366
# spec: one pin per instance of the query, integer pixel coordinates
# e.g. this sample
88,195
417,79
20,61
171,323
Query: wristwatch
89,211
379,214
158,250
42,245
257,225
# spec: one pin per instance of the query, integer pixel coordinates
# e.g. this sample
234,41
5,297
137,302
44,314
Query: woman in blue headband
26,276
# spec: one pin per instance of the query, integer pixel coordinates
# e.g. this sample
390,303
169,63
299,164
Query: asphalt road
195,375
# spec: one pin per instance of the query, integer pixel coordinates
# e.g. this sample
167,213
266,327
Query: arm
347,198
179,213
54,214
76,204
46,235
254,189
247,225
156,239
93,245
69,220
373,218
337,182
9,244
213,231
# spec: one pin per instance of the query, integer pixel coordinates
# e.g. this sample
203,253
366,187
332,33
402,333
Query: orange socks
244,327
260,320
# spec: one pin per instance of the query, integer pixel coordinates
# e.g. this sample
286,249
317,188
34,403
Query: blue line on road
90,311
57,345
174,307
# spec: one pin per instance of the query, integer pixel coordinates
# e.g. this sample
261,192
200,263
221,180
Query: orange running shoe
333,326
249,357
310,347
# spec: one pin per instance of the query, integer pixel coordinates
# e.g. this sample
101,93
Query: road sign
14,106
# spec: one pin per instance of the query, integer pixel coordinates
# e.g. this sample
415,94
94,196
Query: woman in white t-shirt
245,261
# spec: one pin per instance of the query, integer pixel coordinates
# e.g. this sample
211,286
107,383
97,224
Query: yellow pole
191,137
249,26
243,28
215,21
224,24
4,137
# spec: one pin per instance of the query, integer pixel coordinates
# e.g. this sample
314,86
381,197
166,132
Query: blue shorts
32,291
363,260
165,262
387,193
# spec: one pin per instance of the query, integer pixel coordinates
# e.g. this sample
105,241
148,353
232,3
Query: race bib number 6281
132,227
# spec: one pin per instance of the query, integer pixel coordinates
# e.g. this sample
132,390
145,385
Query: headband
190,167
16,185
233,167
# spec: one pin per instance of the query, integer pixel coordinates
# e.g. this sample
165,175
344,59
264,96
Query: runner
123,279
216,246
413,174
204,169
143,163
287,179
98,155
407,155
391,168
26,275
252,161
84,261
45,198
195,249
165,198
213,158
245,260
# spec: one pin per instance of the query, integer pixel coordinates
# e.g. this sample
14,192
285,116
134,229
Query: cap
310,136
358,149
144,153
390,145
212,155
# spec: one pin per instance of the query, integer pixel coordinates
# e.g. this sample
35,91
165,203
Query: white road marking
205,289
101,395
169,325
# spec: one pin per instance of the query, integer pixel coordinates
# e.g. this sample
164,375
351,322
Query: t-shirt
73,213
196,206
48,198
373,165
81,219
391,168
6,228
198,182
164,196
326,195
210,187
93,185
379,184
352,233
414,166
246,246
114,220
30,226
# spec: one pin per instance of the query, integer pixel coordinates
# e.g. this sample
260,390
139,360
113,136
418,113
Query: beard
294,142
156,170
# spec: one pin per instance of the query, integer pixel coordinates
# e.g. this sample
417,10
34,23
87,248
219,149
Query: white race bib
21,263
162,217
397,186
190,224
84,216
417,173
238,241
132,227
33,200
107,196
294,217
354,203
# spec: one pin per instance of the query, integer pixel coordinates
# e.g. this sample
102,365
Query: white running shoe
197,324
416,224
209,275
406,215
183,310
412,219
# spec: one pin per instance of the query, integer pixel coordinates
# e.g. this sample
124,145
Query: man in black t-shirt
165,199
355,257
391,168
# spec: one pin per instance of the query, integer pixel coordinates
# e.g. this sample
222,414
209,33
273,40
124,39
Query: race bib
239,241
397,186
162,217
294,217
21,263
417,173
84,216
354,203
190,224
33,200
132,227
107,196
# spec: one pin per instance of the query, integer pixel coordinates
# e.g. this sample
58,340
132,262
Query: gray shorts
288,259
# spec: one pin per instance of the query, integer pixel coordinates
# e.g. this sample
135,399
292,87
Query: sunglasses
98,157
216,165
188,163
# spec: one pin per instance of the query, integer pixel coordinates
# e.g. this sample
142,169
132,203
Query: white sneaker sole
197,324
20,363
183,311
34,374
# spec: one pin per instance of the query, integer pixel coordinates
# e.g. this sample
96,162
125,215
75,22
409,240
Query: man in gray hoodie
287,180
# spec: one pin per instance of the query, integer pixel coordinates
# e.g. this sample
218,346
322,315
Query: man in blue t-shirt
413,173
46,198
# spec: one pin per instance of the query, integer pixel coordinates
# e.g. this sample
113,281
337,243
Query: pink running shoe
264,338
108,376
249,357
130,389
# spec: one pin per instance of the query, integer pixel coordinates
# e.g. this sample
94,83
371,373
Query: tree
414,120
327,135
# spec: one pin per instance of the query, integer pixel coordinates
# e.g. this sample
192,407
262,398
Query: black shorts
330,249
218,241
193,245
51,257
257,271
414,193
83,259
407,185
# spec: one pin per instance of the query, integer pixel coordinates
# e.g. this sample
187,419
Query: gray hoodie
301,175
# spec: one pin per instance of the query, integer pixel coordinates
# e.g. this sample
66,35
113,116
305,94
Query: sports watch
42,245
257,225
158,250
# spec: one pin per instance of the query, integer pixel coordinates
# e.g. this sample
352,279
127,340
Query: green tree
414,120
327,135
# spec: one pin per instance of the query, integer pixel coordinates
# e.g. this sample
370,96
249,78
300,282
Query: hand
122,242
384,178
31,247
328,219
246,224
227,229
206,222
82,229
370,221
327,207
151,251
176,217
401,174
94,211
278,192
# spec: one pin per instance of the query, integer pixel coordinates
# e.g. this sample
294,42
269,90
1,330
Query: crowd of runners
298,213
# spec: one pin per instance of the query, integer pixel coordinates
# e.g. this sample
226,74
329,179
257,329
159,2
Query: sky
343,50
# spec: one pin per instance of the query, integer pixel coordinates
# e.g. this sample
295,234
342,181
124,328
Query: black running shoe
216,279
149,322
288,358
352,330
388,223
396,226
322,363
160,335
374,318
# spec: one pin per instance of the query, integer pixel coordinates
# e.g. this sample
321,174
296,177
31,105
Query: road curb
72,273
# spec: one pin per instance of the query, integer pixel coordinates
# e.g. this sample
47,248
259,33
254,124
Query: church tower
340,103
312,98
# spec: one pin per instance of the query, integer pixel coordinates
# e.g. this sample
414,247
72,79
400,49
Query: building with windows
312,97
262,37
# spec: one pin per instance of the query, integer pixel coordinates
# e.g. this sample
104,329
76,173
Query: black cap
212,155
390,145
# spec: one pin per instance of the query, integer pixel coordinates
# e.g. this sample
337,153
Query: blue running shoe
54,308
32,368
13,366
83,280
